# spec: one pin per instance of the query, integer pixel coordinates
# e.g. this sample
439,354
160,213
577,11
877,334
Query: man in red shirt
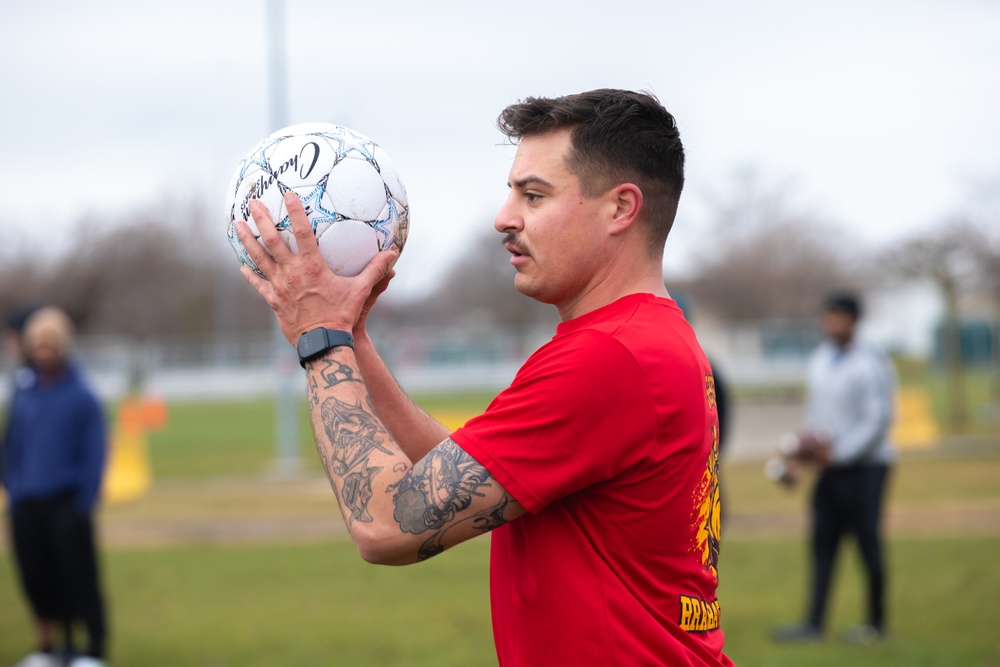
597,469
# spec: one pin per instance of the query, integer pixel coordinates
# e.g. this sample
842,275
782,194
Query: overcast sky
879,113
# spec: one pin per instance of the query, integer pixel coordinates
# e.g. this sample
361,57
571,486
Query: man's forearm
413,429
352,443
396,511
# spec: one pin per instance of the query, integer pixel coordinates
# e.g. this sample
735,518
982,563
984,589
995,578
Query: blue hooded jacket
55,442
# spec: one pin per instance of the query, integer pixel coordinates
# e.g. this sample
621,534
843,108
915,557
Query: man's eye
532,197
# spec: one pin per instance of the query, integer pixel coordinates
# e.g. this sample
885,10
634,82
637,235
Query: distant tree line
153,273
762,256
168,270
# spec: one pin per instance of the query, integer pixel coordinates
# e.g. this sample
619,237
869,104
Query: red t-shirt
608,436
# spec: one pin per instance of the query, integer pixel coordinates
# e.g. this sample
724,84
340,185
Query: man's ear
628,202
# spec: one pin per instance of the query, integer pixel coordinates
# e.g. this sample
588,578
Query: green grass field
312,601
319,604
203,439
282,605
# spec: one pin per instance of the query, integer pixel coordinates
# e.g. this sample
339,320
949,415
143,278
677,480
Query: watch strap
317,342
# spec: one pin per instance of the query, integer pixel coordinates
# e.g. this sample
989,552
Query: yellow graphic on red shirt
707,540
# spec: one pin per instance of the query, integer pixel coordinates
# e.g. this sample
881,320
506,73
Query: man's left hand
301,289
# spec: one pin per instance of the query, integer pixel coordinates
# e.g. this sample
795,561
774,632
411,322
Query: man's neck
843,344
51,375
605,294
629,271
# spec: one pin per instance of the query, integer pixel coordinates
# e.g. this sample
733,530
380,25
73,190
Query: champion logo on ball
268,178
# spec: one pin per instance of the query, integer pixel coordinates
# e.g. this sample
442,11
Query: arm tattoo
357,491
441,485
333,373
485,521
353,434
429,498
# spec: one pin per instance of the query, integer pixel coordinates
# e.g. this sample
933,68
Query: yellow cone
128,474
915,427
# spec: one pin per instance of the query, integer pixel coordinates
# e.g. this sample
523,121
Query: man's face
45,357
553,232
838,326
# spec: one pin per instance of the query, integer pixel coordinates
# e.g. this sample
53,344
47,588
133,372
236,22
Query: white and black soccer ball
347,183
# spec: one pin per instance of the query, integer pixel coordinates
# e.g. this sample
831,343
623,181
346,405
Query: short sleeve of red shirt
551,434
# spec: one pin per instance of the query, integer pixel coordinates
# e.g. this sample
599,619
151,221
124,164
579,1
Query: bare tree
23,271
763,257
944,256
983,213
160,271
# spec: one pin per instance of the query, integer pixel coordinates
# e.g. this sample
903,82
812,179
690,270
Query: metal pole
286,366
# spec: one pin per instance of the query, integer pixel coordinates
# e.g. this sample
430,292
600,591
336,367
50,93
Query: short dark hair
843,302
619,136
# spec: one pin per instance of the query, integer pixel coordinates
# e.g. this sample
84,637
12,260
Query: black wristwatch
315,343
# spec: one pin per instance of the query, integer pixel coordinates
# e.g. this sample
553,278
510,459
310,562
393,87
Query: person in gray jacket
849,411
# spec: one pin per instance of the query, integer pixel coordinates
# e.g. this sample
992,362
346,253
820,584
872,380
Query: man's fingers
269,235
379,268
305,240
254,249
263,287
383,284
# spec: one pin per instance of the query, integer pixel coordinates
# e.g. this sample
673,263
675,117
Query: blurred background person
849,405
54,451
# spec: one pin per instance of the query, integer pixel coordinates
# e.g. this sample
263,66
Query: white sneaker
38,659
87,661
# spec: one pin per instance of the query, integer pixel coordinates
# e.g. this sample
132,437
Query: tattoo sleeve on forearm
332,373
357,491
353,434
441,485
431,499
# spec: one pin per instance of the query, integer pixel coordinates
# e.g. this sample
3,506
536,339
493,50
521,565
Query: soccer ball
346,182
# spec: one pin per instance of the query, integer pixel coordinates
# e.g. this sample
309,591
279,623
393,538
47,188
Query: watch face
312,342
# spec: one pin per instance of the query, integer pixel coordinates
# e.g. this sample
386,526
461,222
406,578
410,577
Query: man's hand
814,448
301,289
380,286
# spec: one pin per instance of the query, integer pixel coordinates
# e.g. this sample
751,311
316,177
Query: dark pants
54,548
847,500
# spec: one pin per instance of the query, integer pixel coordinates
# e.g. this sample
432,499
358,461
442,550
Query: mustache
512,242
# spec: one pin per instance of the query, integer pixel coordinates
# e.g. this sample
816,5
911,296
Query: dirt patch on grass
303,508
